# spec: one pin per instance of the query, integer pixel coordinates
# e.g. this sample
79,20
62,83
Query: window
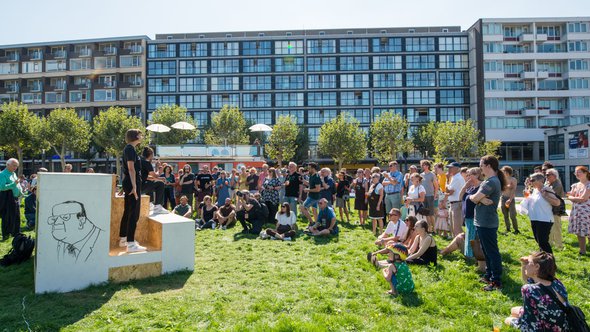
55,65
382,98
321,99
105,95
130,61
552,104
225,66
321,81
218,101
321,46
387,62
225,83
420,62
193,101
453,114
8,68
494,104
162,51
421,115
453,79
256,65
354,81
385,44
420,79
192,67
321,64
577,46
313,134
578,83
78,64
493,66
551,67
55,97
378,111
354,63
258,116
424,97
387,80
79,96
423,44
188,50
288,64
250,100
453,97
355,98
201,119
257,82
354,45
288,47
492,48
32,66
493,85
192,84
320,116
35,85
31,98
577,27
298,115
552,85
291,82
257,48
105,62
162,85
552,32
225,49
161,68
362,115
577,103
157,101
518,104
579,65
454,61
452,44
288,99
130,94
509,123
492,29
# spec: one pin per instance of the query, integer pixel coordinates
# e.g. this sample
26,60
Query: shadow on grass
320,240
411,299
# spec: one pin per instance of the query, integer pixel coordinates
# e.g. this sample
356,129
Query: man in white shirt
396,230
452,196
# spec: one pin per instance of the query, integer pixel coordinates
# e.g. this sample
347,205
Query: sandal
374,260
369,255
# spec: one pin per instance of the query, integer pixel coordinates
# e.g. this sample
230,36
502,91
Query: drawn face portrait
69,223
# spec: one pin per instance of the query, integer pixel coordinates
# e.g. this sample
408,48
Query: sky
54,20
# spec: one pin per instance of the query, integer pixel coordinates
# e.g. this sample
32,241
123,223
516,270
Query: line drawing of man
76,235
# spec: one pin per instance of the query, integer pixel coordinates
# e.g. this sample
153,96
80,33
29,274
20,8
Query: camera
239,194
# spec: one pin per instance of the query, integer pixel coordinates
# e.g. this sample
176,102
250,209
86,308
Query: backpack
263,211
560,209
576,320
22,249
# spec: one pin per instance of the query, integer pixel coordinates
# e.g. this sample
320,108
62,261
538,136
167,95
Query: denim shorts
310,202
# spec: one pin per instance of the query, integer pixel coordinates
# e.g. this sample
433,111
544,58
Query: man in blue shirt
392,183
9,194
326,222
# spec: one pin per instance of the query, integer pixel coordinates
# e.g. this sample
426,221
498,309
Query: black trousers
255,223
272,212
10,213
169,198
130,217
541,230
156,187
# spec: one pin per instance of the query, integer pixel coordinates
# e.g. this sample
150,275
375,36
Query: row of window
74,64
550,30
570,46
82,96
314,46
542,85
352,98
548,66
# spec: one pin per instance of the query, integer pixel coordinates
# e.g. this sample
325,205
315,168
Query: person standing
486,219
293,187
430,183
9,194
313,193
540,212
151,181
132,189
361,188
169,201
375,199
186,182
252,181
342,188
222,186
580,215
270,194
471,186
393,186
452,196
508,201
555,238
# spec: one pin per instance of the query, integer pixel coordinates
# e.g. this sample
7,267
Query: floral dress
270,194
579,221
539,312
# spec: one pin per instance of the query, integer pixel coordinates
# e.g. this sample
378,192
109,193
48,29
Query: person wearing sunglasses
285,228
540,201
396,229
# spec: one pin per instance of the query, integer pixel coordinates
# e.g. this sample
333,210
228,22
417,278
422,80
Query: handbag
477,250
560,209
423,210
576,320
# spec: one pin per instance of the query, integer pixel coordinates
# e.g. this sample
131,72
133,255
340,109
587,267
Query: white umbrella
260,127
183,126
158,128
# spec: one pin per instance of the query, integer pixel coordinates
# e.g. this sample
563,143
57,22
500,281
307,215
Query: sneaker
287,239
135,247
485,280
264,236
213,225
158,209
123,242
224,227
492,286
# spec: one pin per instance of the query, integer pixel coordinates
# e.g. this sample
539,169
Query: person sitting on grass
540,311
411,233
395,231
183,209
423,250
326,223
226,214
398,273
285,224
208,210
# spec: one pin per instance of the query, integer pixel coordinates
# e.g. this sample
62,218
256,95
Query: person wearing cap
453,190
398,273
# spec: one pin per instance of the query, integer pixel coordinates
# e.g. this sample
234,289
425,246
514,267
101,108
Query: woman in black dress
375,200
360,199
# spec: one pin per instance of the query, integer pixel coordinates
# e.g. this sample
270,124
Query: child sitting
442,226
398,273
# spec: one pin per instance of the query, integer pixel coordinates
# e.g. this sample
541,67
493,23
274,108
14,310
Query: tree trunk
339,165
19,154
62,157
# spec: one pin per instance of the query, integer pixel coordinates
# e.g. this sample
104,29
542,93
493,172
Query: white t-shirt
284,220
399,229
378,188
539,208
414,192
457,183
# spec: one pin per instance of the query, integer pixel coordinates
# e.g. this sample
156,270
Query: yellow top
442,182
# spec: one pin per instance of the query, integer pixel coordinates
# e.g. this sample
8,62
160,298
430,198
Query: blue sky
49,20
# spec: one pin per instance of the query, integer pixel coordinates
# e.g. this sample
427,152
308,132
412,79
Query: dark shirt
187,188
204,182
225,210
181,209
292,190
487,215
170,178
252,181
146,168
468,206
328,193
31,204
314,180
341,189
253,212
129,154
207,214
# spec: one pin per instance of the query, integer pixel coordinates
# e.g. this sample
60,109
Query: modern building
88,75
529,74
567,147
421,73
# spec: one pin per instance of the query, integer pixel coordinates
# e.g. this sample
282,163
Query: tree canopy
342,139
65,131
169,115
389,136
228,127
281,142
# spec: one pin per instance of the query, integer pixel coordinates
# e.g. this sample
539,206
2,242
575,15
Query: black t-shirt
252,181
146,168
253,213
129,154
187,188
204,182
341,189
295,180
207,214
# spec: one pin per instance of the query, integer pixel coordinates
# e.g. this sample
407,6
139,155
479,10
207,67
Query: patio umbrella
260,127
158,128
183,126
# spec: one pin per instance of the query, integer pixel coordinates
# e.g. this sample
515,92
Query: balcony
526,38
56,55
107,51
131,83
542,37
35,56
81,86
83,53
9,89
9,58
34,88
542,75
529,111
136,49
106,85
527,75
58,87
513,113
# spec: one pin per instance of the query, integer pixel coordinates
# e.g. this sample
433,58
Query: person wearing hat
398,273
453,190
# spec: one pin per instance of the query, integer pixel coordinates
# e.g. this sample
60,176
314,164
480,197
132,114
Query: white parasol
158,128
183,126
260,127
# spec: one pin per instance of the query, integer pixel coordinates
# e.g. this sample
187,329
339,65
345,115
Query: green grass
241,283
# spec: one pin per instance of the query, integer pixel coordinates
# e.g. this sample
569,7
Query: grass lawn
243,283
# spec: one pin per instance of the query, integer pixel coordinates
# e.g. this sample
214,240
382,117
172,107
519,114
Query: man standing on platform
393,187
9,194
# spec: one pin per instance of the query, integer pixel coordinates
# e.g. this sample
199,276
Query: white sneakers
135,247
123,242
157,209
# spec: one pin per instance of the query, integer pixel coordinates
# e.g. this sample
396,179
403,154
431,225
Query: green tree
109,130
389,136
169,115
459,140
19,131
423,138
302,146
65,131
281,142
228,127
343,140
489,148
